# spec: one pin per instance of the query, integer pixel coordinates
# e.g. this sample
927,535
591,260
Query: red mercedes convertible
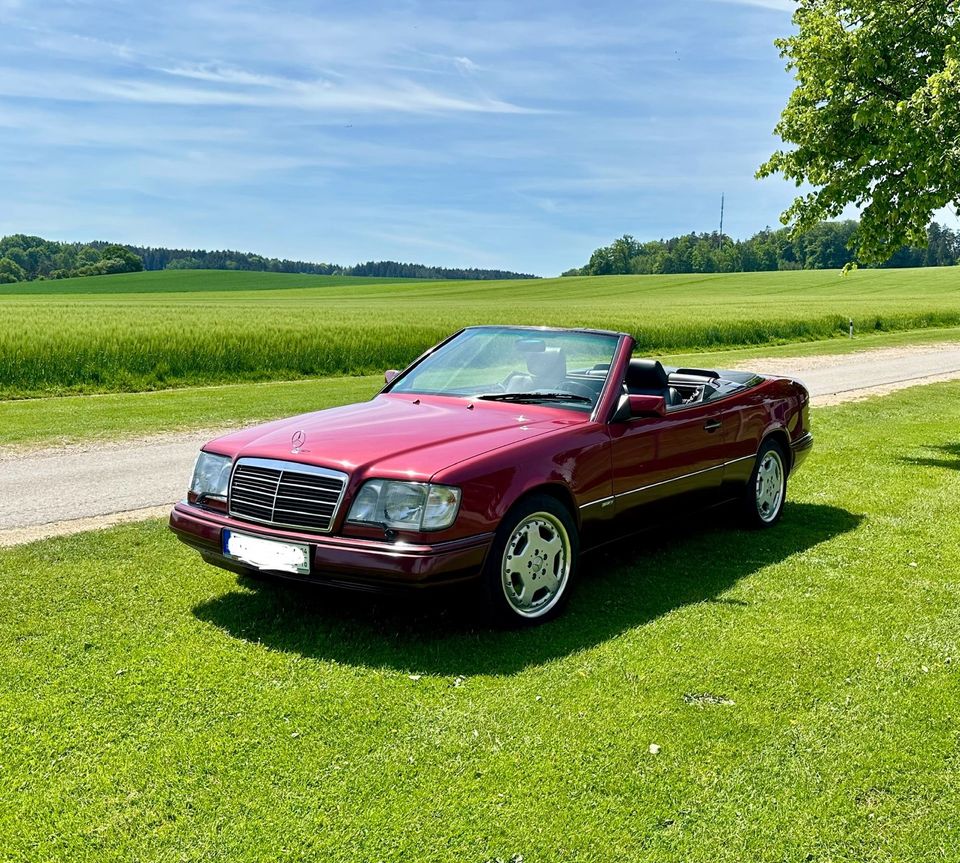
497,456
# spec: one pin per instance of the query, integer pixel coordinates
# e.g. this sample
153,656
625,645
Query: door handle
711,425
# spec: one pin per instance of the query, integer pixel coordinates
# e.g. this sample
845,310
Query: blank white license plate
267,554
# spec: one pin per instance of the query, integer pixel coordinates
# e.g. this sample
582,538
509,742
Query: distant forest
823,247
24,258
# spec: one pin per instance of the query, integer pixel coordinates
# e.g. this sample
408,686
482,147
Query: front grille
286,493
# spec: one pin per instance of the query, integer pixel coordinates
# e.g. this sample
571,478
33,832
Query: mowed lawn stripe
800,683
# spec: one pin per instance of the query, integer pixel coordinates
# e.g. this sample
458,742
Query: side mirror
390,375
647,406
635,407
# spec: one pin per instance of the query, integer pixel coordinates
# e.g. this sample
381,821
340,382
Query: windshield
564,368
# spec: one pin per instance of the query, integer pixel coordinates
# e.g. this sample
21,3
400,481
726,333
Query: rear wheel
765,494
532,562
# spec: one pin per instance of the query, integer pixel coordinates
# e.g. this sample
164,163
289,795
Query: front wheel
532,562
765,494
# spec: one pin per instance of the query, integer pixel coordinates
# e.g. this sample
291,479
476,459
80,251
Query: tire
766,492
533,561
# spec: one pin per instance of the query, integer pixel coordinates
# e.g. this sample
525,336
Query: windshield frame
617,342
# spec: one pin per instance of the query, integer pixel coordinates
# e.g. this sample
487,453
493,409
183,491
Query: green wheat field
156,330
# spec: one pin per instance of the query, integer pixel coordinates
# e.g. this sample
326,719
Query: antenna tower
721,219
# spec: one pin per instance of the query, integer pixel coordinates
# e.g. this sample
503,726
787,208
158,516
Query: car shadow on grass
951,450
623,586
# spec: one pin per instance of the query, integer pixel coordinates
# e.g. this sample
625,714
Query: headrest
550,364
646,375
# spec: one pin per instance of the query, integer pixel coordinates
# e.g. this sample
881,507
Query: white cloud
466,65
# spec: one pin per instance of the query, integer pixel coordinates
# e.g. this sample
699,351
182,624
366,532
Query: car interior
680,387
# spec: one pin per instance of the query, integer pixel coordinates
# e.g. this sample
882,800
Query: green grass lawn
67,419
181,328
801,683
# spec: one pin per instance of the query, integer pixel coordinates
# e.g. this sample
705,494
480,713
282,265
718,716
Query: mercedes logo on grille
298,440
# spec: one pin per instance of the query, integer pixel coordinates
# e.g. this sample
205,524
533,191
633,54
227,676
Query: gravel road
836,378
58,491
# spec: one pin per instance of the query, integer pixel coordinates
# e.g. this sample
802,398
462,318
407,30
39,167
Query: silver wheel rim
536,565
769,489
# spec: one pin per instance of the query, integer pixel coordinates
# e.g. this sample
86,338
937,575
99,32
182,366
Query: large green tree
875,117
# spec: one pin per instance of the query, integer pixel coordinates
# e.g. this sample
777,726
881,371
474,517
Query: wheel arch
780,437
558,491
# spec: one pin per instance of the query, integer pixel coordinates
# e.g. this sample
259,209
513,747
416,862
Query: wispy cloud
223,74
386,96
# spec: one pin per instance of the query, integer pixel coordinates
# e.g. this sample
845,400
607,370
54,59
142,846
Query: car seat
649,378
547,370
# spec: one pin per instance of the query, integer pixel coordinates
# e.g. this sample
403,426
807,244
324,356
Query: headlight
406,505
211,476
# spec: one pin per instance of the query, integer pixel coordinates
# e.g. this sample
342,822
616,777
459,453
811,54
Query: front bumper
341,561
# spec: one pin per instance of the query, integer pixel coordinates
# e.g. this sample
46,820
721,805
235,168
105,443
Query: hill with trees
825,246
26,258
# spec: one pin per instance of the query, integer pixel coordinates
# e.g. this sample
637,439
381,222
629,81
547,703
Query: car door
654,458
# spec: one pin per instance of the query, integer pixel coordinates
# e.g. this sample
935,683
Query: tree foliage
825,246
23,258
875,117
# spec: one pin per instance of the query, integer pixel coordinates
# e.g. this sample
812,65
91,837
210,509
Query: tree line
199,259
826,246
396,270
24,258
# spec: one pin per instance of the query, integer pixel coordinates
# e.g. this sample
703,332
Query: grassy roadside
40,422
71,419
801,684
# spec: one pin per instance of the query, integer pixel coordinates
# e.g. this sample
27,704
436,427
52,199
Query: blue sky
488,134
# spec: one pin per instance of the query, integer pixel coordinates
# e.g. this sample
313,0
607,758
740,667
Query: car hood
395,436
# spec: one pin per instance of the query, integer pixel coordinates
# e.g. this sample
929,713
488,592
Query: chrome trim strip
607,500
297,466
608,383
667,481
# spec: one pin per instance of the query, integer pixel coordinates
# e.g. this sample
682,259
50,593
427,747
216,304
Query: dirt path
61,491
837,378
